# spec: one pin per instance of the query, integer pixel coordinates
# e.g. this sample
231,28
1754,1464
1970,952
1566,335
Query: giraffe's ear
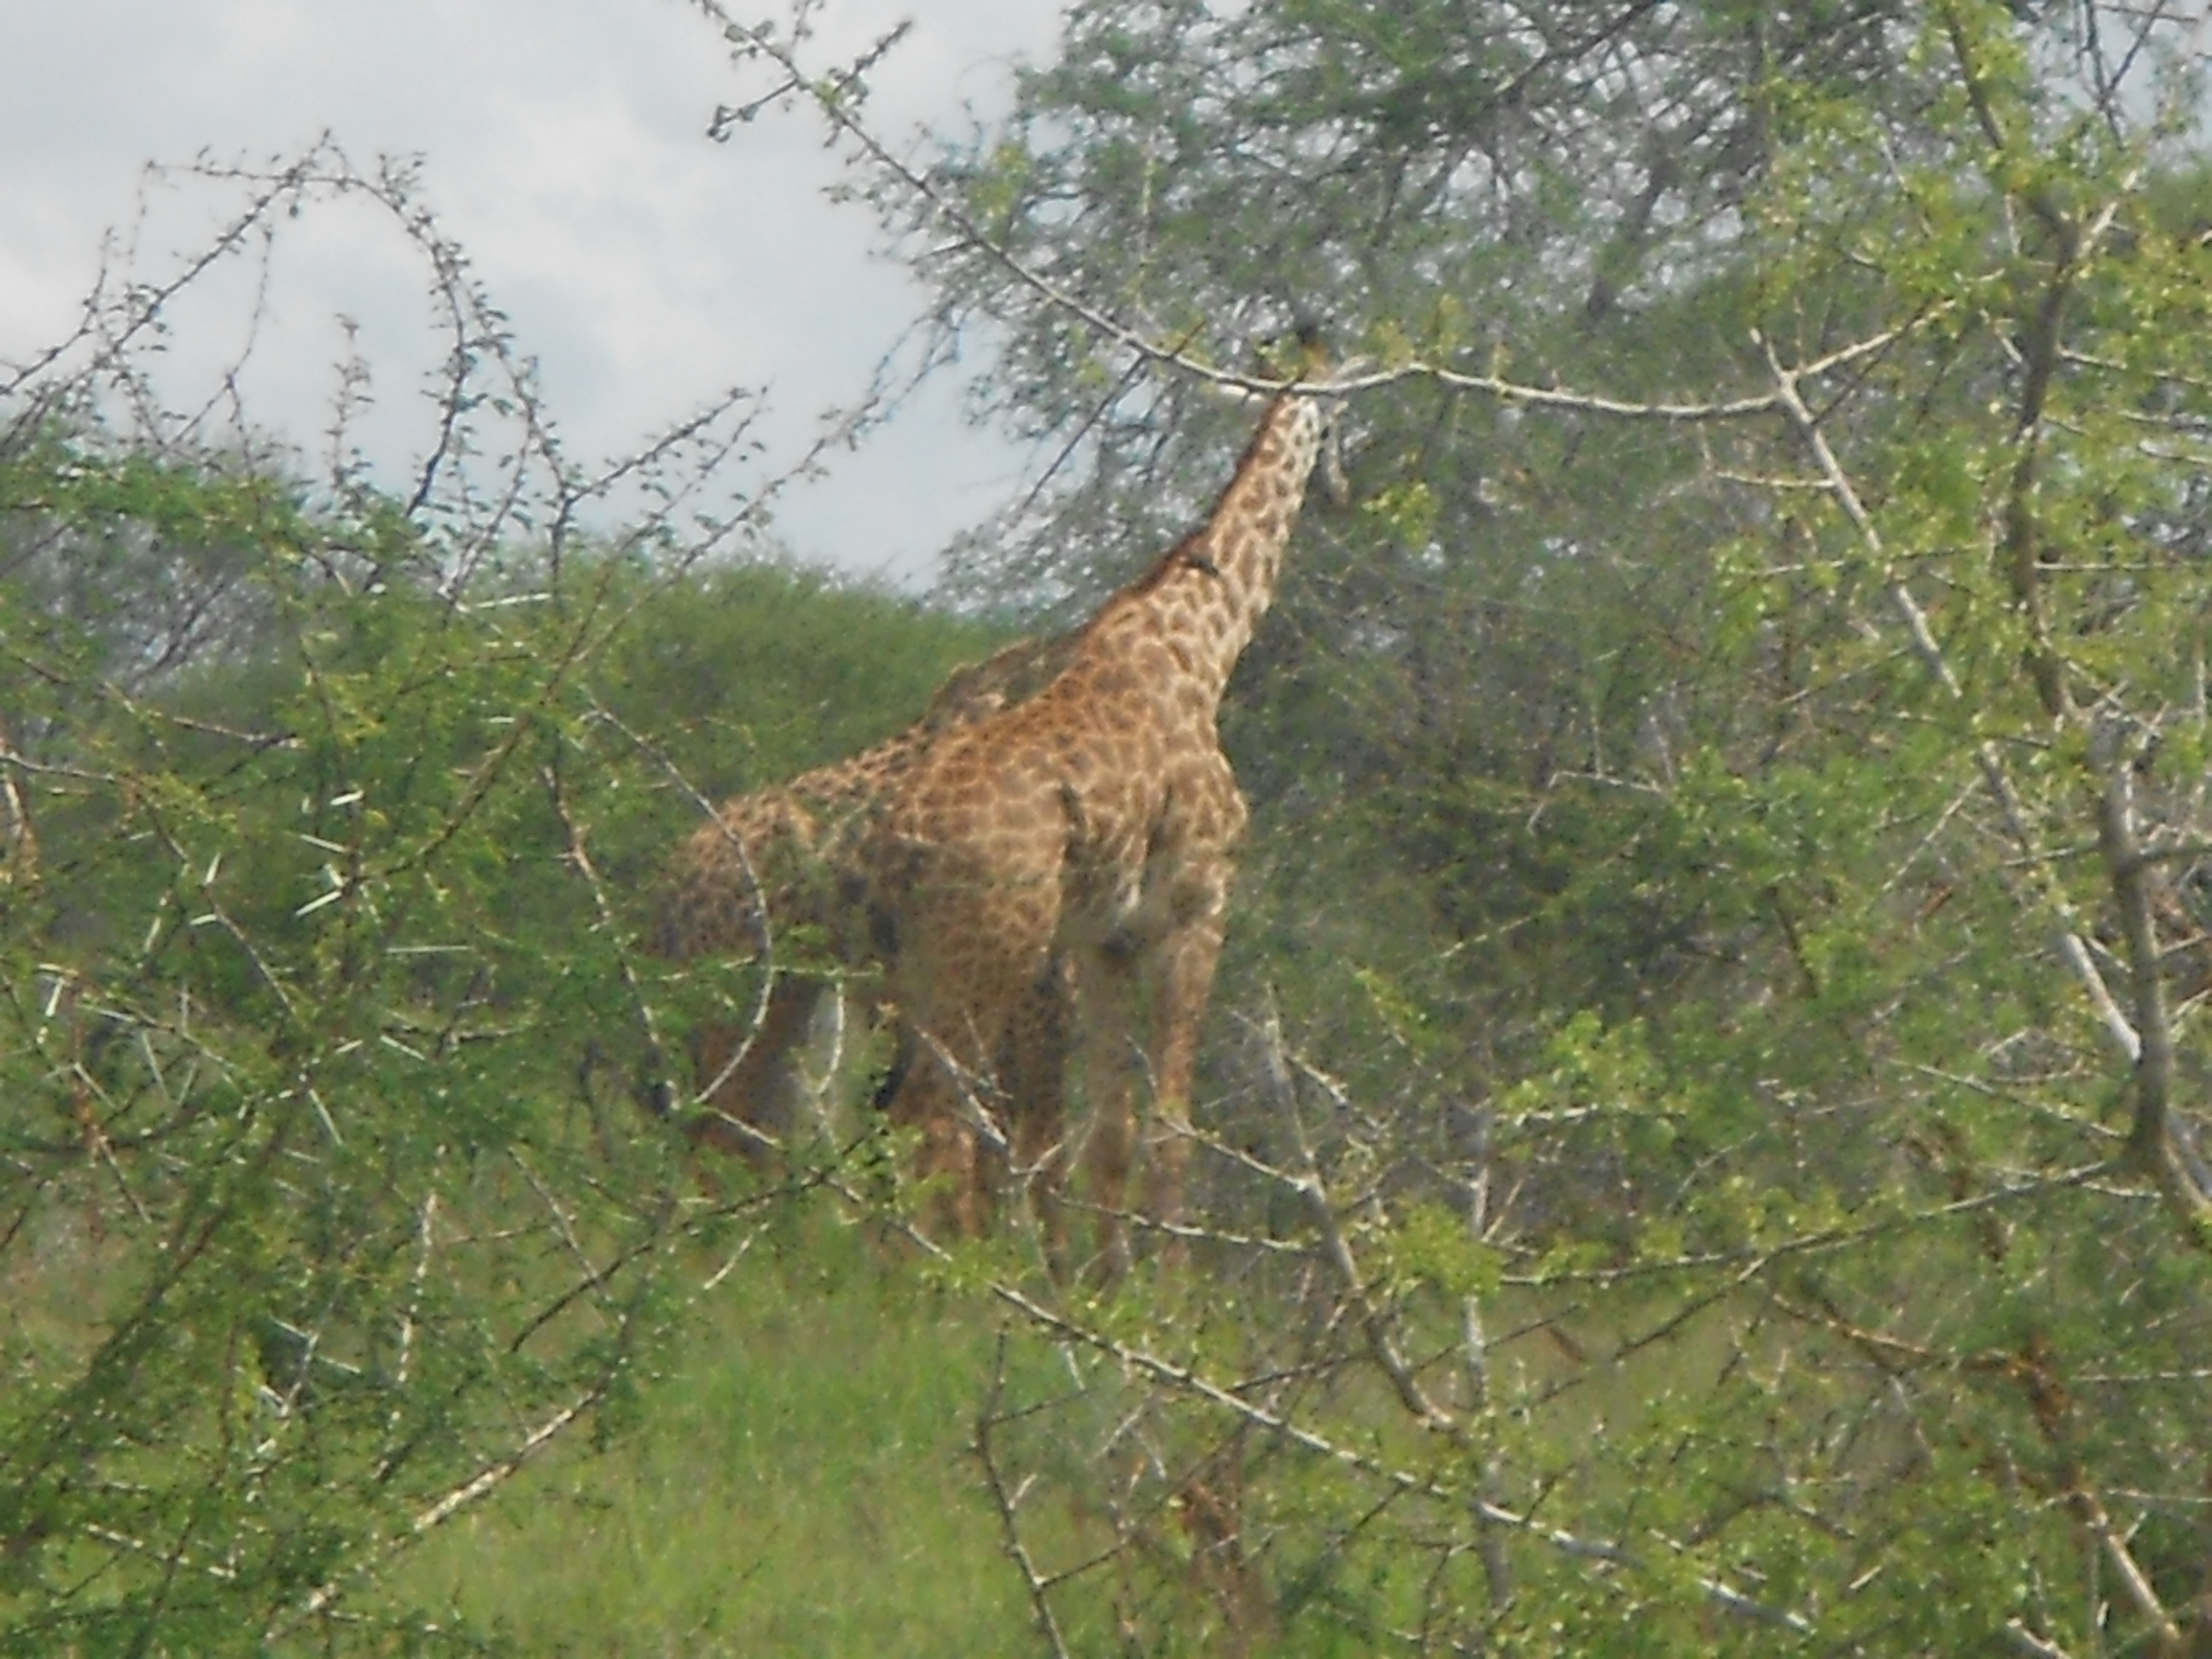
1335,482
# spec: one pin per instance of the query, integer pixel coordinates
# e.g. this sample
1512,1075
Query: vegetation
1700,1147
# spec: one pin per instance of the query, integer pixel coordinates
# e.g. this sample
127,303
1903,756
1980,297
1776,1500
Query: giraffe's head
1323,378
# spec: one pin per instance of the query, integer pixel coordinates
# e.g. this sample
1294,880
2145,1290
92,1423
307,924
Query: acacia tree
1713,1164
322,1210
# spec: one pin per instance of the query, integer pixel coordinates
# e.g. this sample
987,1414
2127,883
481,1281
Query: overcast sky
563,141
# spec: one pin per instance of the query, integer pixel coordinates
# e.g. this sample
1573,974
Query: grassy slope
801,1484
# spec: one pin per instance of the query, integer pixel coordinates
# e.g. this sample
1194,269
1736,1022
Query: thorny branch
838,98
1008,1501
480,1485
2159,1140
1191,1381
469,498
1383,1340
703,1095
472,491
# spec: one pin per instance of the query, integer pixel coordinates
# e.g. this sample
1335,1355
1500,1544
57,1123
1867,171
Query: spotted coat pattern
780,864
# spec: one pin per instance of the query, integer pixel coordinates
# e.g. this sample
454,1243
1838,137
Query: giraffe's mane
1178,557
1175,558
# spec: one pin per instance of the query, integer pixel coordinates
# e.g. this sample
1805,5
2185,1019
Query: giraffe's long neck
1208,595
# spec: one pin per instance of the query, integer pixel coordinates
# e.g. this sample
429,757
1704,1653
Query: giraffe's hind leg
1178,999
968,941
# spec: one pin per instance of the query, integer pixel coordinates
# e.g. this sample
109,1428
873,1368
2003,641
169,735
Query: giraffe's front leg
923,1095
970,951
1034,1083
1107,1008
1179,995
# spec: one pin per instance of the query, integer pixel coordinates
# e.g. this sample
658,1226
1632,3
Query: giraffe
781,861
1086,837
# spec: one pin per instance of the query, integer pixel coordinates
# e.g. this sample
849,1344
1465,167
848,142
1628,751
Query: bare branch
833,97
2159,1141
2072,945
487,1479
2132,1577
1009,1506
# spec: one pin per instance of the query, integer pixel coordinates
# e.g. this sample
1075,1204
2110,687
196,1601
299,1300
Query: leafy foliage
327,1206
329,822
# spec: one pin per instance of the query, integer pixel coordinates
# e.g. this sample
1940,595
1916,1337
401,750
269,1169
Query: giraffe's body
782,862
1084,840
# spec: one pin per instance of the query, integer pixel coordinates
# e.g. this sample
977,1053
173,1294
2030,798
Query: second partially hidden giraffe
1087,838
774,878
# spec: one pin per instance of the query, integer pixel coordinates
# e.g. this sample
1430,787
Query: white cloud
564,146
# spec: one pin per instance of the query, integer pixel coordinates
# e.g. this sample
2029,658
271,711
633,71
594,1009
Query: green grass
801,1483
